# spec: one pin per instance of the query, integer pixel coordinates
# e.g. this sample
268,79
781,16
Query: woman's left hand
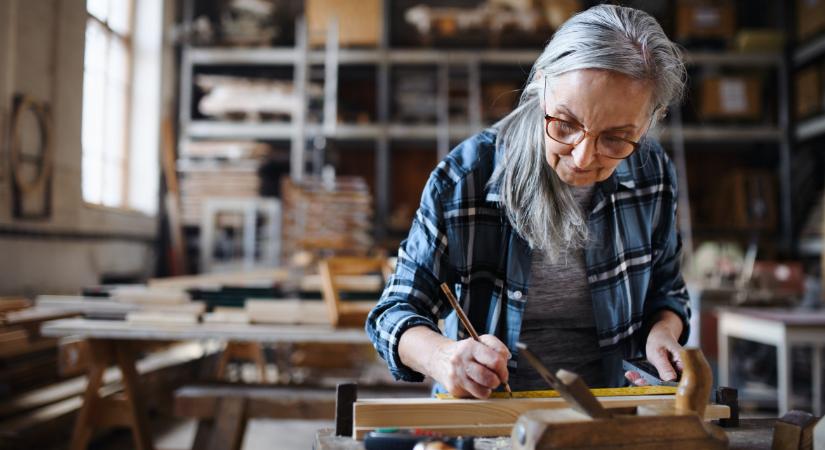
662,348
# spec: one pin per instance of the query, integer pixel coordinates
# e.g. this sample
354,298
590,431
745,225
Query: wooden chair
340,273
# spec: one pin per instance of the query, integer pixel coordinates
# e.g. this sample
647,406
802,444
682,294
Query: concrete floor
261,434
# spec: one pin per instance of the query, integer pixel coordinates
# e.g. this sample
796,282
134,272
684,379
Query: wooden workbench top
752,434
122,330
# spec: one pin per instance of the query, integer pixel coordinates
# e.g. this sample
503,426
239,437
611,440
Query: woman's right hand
471,369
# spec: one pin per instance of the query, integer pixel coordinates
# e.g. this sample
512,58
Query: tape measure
598,392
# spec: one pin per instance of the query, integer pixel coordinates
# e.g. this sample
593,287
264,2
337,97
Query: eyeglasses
607,144
569,133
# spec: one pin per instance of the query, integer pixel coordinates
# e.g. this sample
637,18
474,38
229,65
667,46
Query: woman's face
599,101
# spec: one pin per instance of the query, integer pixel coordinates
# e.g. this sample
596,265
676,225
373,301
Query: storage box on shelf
731,97
700,22
809,100
359,21
810,18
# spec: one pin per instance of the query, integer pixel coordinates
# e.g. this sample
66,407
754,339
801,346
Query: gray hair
539,205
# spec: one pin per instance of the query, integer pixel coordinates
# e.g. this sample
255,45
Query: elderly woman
556,227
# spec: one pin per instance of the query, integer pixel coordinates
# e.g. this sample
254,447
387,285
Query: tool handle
693,392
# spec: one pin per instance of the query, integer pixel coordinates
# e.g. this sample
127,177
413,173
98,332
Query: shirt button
517,295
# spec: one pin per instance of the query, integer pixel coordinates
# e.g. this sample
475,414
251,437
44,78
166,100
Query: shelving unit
810,129
382,132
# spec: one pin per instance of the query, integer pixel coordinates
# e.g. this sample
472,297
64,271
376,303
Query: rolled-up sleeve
667,287
411,297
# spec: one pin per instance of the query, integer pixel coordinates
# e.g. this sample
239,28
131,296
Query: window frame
128,42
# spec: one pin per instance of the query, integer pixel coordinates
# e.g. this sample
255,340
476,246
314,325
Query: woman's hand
465,368
469,368
662,348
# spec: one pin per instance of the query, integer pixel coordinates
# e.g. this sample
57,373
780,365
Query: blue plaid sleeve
411,297
667,288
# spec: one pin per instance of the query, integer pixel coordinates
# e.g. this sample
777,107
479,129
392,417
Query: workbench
781,328
117,343
751,434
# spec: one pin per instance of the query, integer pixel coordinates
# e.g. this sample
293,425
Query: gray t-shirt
558,323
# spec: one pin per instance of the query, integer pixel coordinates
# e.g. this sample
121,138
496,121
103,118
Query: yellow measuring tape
598,392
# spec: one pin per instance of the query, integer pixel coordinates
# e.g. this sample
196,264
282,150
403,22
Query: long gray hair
539,205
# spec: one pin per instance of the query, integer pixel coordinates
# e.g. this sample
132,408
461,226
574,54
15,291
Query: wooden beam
486,417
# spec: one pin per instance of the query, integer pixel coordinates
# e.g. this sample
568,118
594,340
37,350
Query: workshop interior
412,224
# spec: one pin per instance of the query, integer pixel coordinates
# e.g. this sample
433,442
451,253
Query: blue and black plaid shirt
461,235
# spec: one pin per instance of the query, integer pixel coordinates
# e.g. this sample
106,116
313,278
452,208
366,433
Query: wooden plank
428,412
114,329
22,346
8,304
162,317
291,311
253,278
150,295
229,425
105,307
33,316
227,315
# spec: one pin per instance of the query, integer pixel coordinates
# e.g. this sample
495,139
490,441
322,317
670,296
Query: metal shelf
717,133
810,128
289,55
809,51
733,59
205,129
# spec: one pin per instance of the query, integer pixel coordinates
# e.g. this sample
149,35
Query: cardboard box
705,20
810,18
737,97
808,92
360,22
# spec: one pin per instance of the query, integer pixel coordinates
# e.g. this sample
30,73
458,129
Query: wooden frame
347,314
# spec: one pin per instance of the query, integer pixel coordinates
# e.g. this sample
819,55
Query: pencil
466,322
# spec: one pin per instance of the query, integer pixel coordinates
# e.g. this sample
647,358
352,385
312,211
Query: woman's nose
585,152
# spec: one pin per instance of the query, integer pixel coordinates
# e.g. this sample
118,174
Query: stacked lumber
200,181
326,216
27,359
225,149
138,304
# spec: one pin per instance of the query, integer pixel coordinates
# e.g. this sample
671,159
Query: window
107,88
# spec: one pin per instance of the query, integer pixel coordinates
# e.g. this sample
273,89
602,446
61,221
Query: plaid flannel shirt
461,235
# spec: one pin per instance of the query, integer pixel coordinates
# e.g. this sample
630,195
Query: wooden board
150,295
162,317
293,311
481,417
346,283
253,278
226,315
118,329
